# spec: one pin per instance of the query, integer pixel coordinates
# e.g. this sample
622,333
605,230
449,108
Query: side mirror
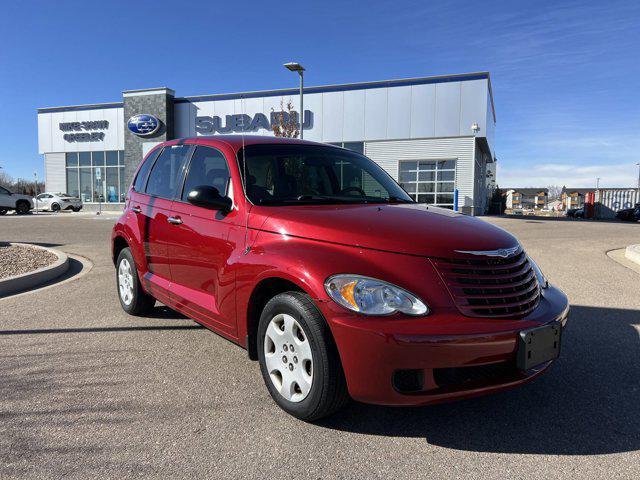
209,197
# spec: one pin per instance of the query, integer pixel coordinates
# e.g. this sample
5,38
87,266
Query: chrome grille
491,287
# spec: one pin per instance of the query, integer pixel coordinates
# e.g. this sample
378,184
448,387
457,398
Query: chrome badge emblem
143,125
501,252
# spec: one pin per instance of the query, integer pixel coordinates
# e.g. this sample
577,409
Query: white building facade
435,135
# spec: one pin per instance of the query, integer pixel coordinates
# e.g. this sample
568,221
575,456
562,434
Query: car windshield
280,174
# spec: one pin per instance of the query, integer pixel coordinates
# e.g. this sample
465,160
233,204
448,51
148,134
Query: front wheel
3,211
133,299
298,358
55,208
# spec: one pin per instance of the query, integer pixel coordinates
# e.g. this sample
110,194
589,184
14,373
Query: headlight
372,297
542,280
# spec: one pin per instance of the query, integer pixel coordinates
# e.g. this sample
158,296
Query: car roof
238,141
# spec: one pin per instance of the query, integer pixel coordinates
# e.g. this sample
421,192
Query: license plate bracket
538,345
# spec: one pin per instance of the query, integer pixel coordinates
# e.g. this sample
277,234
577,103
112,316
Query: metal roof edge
341,87
292,91
89,106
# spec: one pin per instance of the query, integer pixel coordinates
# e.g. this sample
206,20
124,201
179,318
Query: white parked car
14,201
57,201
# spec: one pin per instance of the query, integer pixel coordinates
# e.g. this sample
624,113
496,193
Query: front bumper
450,355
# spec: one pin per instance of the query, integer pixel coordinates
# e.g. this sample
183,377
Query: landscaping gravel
16,260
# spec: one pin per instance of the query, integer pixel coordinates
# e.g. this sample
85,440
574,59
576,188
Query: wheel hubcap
291,373
125,282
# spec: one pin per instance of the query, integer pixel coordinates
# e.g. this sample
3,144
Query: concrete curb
632,252
18,283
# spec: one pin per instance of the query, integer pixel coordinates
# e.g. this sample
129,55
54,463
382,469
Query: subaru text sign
206,125
143,125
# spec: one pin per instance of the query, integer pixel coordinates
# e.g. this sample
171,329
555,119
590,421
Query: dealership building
435,135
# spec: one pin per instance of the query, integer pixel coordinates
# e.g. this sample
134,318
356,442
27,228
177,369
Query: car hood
402,228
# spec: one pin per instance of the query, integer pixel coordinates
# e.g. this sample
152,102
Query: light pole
638,164
296,67
35,177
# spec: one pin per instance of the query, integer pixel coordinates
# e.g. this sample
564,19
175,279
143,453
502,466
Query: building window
429,181
357,147
83,181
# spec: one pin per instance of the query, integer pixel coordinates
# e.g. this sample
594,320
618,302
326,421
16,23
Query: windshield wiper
304,199
311,199
324,198
398,199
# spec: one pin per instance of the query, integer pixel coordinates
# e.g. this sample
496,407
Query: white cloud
611,175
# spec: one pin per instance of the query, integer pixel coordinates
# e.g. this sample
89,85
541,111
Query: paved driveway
89,392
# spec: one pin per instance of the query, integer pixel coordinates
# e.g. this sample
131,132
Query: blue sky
565,75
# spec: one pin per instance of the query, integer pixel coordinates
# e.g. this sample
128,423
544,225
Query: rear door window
166,173
208,167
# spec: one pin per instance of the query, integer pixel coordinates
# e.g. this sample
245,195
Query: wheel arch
264,290
119,244
22,200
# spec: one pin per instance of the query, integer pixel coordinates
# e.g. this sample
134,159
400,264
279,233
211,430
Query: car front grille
491,287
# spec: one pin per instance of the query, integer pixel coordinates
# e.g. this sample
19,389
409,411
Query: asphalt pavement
87,391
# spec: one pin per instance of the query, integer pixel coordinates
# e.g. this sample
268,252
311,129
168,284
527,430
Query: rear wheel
298,358
133,299
55,207
76,209
3,211
22,207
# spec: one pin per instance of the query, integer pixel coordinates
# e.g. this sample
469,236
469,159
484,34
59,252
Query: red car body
217,270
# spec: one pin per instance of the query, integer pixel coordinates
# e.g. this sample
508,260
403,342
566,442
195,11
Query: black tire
76,209
141,302
22,207
3,211
328,392
55,207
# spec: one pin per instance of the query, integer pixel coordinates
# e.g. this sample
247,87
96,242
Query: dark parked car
629,214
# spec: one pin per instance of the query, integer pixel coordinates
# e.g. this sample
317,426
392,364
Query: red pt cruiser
341,286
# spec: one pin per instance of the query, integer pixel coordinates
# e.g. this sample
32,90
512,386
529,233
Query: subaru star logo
143,124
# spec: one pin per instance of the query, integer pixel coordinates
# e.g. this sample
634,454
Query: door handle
174,220
136,209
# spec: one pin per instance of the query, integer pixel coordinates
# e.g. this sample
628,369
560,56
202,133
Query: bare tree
285,122
5,180
21,185
554,192
26,187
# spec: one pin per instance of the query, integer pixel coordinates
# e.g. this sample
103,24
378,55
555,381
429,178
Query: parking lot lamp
35,177
296,67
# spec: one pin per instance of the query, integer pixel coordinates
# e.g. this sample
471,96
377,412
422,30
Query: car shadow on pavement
99,329
159,312
588,403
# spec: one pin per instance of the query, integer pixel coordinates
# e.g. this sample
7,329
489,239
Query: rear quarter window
141,178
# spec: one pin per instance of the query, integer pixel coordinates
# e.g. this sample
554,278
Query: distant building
534,198
434,135
574,197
